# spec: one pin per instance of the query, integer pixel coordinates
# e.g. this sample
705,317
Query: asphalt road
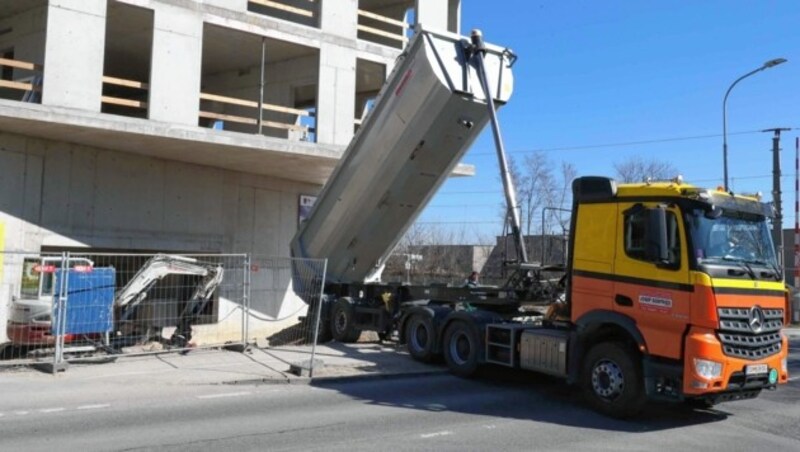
498,410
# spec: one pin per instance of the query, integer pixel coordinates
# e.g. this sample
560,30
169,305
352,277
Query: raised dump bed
427,115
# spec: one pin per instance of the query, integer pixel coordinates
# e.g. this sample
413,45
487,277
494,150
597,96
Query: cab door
651,289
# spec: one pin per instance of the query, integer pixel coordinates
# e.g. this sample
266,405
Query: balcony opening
126,63
386,22
304,12
369,80
235,97
23,27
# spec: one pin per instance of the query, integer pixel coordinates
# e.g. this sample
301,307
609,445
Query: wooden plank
19,85
229,100
231,118
282,7
385,34
280,125
252,104
383,19
123,102
20,64
123,82
243,120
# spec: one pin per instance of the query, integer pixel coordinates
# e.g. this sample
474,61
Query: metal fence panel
27,290
284,304
68,307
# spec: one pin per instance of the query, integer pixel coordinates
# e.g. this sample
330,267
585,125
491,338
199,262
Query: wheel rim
419,335
341,321
460,348
608,381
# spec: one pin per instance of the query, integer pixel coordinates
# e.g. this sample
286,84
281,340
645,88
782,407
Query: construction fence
61,308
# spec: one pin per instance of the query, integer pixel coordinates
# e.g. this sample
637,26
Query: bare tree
636,169
534,184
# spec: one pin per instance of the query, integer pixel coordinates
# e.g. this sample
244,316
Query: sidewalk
254,366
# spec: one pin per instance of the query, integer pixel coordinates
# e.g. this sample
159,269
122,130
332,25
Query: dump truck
669,292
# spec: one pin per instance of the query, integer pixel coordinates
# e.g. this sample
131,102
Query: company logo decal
655,302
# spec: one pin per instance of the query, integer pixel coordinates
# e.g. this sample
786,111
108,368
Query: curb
335,379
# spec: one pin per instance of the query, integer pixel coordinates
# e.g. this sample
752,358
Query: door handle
622,300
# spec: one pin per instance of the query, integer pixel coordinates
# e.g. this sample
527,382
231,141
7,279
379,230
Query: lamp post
767,65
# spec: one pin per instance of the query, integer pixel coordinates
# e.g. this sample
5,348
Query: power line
622,143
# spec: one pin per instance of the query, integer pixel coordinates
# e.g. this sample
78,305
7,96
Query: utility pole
777,224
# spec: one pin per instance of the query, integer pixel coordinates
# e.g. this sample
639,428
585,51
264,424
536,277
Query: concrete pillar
339,17
74,51
336,94
432,14
175,70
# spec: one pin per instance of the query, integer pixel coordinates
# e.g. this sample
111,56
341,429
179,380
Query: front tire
461,348
612,380
343,318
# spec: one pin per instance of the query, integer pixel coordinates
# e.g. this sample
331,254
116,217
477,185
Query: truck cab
684,281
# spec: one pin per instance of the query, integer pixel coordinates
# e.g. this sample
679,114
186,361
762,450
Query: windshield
736,237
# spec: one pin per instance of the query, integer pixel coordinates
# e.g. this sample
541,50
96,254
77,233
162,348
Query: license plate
755,369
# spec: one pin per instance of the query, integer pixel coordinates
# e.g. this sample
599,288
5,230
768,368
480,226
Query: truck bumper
735,378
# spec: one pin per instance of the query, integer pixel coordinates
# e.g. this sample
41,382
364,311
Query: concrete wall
62,195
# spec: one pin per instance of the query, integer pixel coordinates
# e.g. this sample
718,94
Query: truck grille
750,335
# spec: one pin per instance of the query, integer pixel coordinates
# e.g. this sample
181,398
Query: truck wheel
420,336
343,319
612,380
461,349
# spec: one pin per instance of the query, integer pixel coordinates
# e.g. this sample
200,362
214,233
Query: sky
595,78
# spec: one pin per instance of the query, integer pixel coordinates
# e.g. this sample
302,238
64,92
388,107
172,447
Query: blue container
89,303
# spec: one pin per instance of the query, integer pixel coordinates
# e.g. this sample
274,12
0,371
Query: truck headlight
707,369
784,365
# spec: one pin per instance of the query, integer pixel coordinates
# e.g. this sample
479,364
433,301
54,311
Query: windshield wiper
742,264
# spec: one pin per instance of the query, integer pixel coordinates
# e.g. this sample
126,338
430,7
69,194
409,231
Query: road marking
21,413
51,410
794,378
490,427
94,407
434,435
227,394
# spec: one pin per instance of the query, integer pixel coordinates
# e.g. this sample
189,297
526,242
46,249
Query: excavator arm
157,268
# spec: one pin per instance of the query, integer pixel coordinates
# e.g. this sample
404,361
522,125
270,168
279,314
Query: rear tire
420,338
343,318
612,380
461,347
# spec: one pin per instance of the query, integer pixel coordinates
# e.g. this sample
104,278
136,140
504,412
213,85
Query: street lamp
767,65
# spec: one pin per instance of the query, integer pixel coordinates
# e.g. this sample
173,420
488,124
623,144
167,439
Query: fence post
246,302
318,315
59,309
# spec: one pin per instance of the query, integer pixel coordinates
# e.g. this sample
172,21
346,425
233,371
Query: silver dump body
425,118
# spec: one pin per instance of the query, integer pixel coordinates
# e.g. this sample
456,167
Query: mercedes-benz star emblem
756,319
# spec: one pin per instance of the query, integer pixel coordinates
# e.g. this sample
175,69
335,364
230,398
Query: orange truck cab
686,276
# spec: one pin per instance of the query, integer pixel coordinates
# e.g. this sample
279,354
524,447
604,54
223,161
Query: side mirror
656,248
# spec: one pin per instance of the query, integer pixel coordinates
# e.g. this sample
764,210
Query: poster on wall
304,210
